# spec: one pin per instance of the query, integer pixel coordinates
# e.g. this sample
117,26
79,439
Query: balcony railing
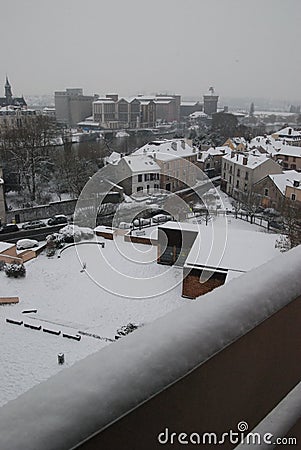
232,355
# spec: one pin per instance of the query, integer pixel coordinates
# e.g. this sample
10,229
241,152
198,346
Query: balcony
231,356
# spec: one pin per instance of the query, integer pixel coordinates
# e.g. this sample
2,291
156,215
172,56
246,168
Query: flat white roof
236,250
5,246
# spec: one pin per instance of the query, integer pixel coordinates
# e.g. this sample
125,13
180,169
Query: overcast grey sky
241,47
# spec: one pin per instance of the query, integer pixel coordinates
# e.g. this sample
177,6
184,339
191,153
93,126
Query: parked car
58,220
277,225
161,218
9,228
33,224
24,244
125,226
141,222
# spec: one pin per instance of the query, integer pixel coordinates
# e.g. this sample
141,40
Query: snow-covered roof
213,151
198,114
186,103
290,150
253,161
114,158
164,151
268,143
229,249
289,132
5,246
281,180
141,163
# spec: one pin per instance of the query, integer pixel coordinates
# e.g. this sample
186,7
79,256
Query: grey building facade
72,106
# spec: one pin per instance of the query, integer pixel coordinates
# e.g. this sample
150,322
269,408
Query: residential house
212,256
138,173
15,116
177,161
289,156
289,136
241,171
210,161
274,189
238,144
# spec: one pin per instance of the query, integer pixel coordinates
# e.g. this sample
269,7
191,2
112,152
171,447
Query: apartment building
177,161
105,112
274,189
138,174
241,171
289,157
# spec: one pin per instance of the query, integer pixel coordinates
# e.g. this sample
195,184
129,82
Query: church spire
8,92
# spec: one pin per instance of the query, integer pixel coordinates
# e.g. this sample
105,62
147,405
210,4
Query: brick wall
193,288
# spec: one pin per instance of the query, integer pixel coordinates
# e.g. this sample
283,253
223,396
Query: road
38,234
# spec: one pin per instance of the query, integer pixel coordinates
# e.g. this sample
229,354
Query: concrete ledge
203,367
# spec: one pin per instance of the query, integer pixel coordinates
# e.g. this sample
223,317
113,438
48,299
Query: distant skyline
242,48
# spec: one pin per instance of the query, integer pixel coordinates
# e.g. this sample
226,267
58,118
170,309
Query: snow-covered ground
88,289
70,300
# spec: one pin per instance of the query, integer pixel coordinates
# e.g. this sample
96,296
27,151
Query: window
224,176
237,184
238,172
286,158
139,188
230,170
293,197
294,159
266,192
146,177
139,178
246,187
293,166
230,179
247,176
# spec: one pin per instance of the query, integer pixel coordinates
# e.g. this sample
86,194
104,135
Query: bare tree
26,148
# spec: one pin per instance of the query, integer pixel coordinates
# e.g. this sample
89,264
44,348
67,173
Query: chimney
232,154
245,160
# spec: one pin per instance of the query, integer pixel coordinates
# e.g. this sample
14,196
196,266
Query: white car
24,244
160,218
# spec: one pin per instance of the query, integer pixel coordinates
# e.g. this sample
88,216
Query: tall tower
8,92
210,102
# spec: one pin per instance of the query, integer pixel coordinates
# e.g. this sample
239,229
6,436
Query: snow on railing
98,390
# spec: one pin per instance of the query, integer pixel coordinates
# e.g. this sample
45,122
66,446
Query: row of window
140,188
237,173
149,177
